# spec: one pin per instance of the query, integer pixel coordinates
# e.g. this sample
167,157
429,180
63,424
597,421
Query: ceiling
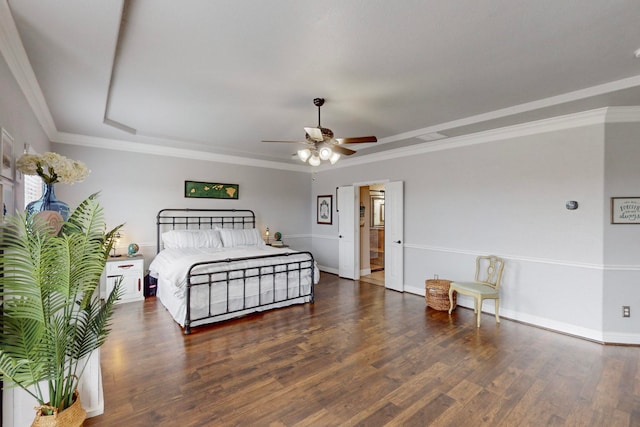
220,76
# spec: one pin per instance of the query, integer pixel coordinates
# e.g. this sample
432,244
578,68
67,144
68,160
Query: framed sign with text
625,210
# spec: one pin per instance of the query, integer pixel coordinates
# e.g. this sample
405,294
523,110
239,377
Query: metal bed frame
202,219
197,219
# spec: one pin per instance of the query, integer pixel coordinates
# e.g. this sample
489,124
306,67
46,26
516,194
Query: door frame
394,236
356,189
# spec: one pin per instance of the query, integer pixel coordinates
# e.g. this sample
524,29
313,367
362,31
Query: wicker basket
437,294
73,416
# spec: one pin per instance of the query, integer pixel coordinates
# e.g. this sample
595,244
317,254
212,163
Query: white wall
18,119
134,187
16,114
621,241
507,197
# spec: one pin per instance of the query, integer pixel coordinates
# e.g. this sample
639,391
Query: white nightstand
131,269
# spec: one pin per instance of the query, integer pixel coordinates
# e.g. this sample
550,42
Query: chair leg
478,304
450,299
497,302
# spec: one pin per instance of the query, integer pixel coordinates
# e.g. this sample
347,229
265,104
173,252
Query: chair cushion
477,288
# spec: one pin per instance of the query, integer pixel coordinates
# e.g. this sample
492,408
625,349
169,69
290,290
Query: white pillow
176,239
247,237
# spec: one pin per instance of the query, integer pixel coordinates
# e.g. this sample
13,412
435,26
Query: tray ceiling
220,76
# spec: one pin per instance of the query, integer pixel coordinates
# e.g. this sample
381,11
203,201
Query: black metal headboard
205,219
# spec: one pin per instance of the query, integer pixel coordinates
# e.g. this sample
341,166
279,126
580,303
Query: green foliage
53,316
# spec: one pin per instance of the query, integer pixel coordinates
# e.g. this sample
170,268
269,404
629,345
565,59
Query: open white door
394,236
348,250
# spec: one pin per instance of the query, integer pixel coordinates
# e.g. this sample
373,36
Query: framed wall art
210,190
625,210
377,211
7,156
325,207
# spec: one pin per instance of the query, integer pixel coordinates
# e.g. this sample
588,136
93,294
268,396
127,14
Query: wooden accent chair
486,285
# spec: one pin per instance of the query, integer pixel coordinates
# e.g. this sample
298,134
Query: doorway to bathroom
372,234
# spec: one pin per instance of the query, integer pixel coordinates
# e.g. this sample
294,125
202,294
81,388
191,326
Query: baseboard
328,269
537,321
95,411
540,322
545,323
618,338
414,290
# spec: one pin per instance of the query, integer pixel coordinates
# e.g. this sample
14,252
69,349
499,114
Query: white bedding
170,267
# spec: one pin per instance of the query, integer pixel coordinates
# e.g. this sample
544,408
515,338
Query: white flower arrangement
52,168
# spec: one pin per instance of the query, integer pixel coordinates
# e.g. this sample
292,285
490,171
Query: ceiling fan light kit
304,154
325,153
322,146
314,160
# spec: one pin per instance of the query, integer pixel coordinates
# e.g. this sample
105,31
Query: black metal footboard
219,290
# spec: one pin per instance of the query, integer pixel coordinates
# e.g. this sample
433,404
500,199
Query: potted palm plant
53,318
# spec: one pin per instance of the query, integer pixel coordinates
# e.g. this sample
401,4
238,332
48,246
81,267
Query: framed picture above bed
210,190
324,214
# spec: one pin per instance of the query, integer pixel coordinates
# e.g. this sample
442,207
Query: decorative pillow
176,239
247,237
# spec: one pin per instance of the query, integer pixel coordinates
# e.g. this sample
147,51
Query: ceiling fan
321,145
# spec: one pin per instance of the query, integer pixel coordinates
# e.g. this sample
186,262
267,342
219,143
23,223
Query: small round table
437,294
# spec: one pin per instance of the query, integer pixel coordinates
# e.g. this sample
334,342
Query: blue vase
48,202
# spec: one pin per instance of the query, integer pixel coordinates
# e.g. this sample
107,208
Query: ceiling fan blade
293,142
342,150
315,134
357,140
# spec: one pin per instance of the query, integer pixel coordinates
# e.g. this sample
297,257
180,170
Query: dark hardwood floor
360,355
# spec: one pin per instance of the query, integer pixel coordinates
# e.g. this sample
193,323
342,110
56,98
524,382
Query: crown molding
16,57
520,108
587,118
136,147
622,115
598,116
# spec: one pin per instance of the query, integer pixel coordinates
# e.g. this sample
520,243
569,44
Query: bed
213,265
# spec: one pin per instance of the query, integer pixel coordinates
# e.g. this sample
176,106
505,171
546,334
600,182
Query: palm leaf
52,315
